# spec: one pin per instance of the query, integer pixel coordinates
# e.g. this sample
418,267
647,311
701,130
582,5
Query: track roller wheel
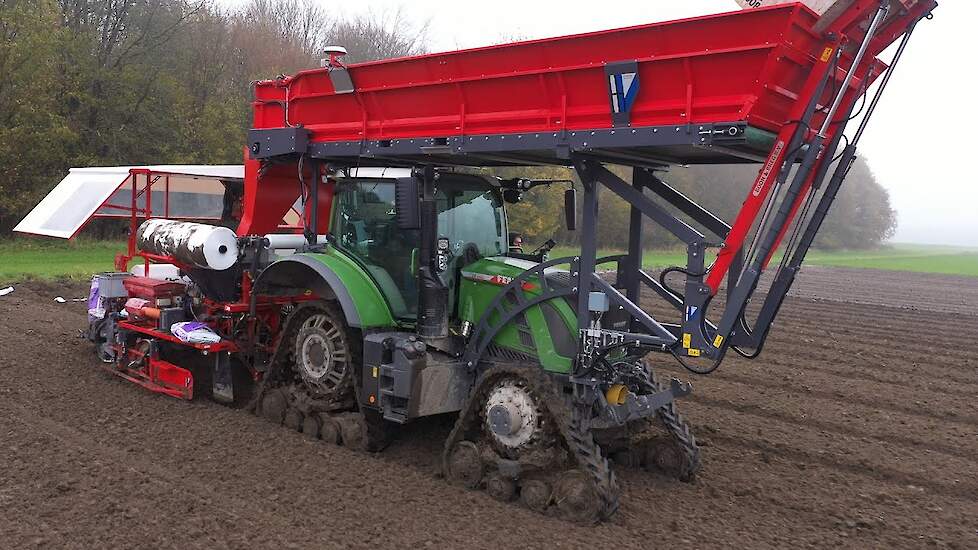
500,487
666,456
310,426
465,465
576,498
351,431
536,495
329,429
293,419
631,458
273,406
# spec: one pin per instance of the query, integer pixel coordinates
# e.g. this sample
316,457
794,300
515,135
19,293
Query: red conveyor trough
747,67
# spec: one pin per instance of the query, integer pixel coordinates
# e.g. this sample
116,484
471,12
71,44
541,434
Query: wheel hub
316,356
505,419
512,416
321,355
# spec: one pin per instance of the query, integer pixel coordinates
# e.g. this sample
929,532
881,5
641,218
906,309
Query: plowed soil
858,427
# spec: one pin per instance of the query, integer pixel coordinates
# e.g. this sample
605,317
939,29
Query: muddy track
838,435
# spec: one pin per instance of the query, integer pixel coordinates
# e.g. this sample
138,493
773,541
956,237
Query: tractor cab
471,224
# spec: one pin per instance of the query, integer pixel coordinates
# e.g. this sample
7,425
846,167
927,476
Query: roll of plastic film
194,244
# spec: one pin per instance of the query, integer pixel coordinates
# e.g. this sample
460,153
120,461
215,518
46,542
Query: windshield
469,211
471,215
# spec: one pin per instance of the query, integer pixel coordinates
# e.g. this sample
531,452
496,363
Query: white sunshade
80,194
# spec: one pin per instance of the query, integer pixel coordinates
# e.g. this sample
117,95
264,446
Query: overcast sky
917,143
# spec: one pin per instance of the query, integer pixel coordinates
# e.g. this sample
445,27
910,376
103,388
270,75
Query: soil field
858,428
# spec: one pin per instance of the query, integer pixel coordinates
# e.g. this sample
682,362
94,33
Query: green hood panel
546,332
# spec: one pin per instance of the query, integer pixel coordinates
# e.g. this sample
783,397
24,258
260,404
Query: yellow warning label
717,341
375,372
686,339
827,54
693,352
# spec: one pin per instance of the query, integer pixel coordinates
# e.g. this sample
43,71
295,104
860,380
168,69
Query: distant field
47,259
901,257
897,257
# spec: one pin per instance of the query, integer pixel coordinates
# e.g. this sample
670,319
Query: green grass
896,257
38,258
903,257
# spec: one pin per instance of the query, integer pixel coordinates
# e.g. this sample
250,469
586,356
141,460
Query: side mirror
570,209
512,196
407,204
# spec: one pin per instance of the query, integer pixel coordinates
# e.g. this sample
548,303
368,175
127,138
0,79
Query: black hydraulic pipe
885,82
433,314
748,282
870,33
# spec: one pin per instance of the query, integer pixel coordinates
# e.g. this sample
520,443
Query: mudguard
331,275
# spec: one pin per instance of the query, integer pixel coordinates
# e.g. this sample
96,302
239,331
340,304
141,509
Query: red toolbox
160,293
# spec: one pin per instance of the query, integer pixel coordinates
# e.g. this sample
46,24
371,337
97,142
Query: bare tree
372,36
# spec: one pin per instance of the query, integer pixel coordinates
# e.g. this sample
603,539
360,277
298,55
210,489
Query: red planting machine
356,273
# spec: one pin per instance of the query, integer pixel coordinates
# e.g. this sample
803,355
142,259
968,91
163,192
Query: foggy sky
917,143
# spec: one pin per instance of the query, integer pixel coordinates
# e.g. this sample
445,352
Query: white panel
69,205
73,201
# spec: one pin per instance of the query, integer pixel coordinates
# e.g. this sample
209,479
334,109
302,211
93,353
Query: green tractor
425,309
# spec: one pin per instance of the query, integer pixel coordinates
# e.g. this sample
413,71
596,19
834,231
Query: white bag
194,332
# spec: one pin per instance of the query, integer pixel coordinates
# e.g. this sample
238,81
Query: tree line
129,82
861,216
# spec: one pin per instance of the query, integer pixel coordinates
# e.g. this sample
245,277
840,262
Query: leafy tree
35,139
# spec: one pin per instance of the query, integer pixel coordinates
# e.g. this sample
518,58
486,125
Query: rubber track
578,440
288,334
376,435
679,429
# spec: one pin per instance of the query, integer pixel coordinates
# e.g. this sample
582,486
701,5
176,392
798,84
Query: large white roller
279,241
194,244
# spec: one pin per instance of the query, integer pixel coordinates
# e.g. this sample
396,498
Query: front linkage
624,392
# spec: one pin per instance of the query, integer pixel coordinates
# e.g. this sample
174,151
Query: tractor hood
545,332
501,270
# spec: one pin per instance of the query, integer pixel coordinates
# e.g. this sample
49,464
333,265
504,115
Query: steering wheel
544,249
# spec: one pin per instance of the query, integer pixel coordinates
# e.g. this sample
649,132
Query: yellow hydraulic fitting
616,394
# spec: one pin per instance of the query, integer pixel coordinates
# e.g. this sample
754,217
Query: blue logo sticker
624,90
